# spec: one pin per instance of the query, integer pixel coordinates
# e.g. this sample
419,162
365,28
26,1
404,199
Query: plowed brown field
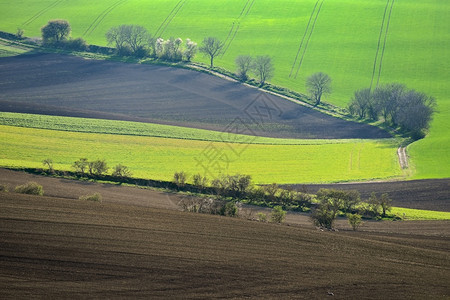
72,86
61,247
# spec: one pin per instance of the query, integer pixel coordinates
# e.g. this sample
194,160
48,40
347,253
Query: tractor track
309,37
379,43
173,13
384,42
41,12
303,38
236,24
101,17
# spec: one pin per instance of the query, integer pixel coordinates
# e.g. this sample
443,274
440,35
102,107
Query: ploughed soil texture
56,246
428,194
72,86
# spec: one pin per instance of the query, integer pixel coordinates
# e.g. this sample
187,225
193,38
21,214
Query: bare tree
81,165
118,36
387,98
263,68
49,163
244,64
363,104
97,167
137,38
55,31
130,38
121,171
211,47
318,84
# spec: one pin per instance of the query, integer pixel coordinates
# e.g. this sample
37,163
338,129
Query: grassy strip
160,158
418,214
149,129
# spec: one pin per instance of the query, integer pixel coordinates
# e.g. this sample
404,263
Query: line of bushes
29,188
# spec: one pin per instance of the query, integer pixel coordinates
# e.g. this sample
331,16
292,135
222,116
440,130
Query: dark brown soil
64,248
429,194
135,243
72,86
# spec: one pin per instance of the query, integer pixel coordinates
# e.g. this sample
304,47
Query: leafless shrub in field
31,188
4,188
96,197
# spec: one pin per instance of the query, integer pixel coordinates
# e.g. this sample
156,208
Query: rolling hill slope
357,43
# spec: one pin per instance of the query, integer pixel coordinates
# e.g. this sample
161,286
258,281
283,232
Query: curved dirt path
402,157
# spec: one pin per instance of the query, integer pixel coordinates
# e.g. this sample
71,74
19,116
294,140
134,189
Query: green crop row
149,129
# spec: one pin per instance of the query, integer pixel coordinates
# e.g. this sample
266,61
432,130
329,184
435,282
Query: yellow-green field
159,158
410,40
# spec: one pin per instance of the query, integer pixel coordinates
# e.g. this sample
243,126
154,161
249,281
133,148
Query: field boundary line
41,12
101,17
309,38
173,13
384,43
303,38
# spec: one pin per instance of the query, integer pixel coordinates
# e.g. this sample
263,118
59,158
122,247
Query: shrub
121,171
278,215
19,33
30,188
97,167
262,217
354,220
200,181
96,197
4,188
323,217
179,178
81,165
229,209
77,44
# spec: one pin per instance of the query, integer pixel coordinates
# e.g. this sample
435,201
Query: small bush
229,209
30,188
278,215
4,188
96,197
121,171
77,44
354,220
179,178
262,217
200,181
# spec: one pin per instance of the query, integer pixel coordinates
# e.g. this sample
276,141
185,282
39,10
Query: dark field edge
425,194
107,53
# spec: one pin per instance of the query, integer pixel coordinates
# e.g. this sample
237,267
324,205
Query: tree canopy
55,31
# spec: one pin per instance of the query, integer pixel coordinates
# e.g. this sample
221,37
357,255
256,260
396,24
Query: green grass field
342,40
417,214
159,158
